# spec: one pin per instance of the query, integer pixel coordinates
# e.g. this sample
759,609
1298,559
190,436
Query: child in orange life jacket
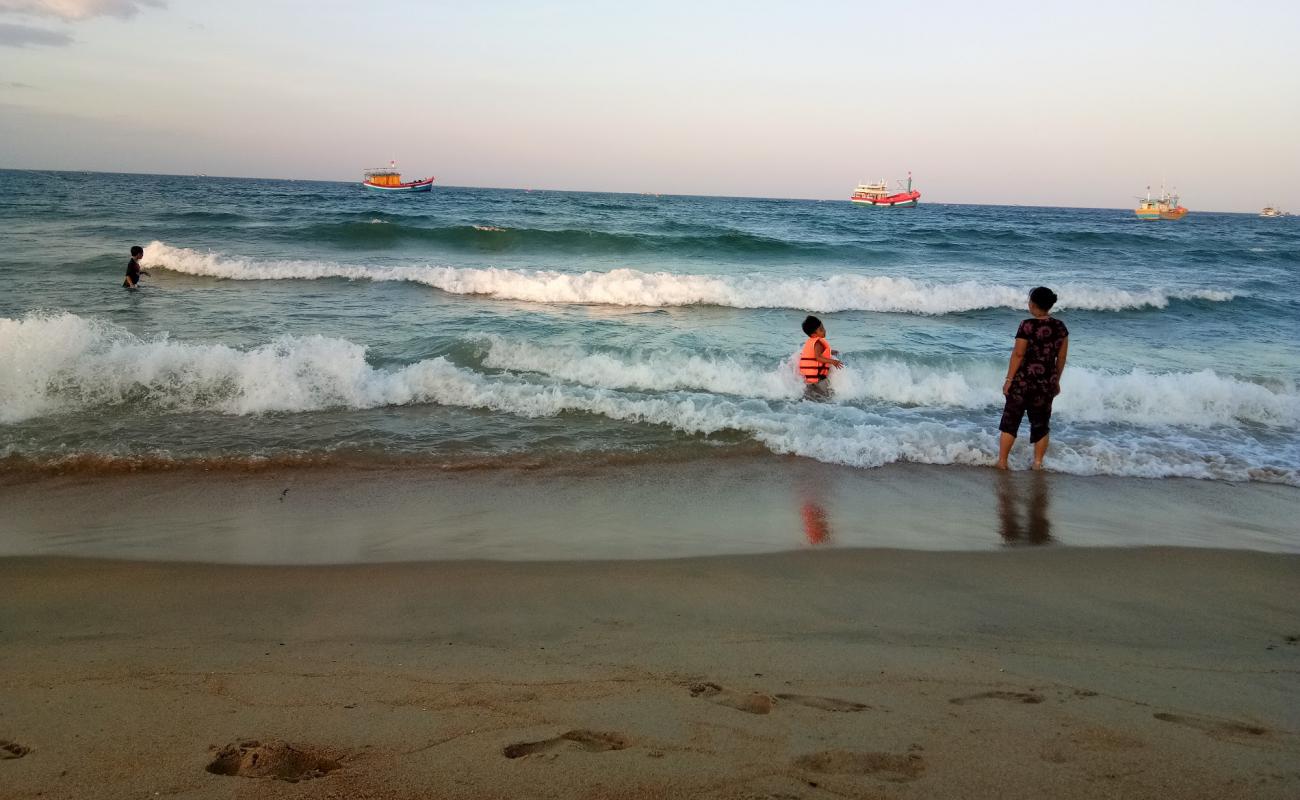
816,360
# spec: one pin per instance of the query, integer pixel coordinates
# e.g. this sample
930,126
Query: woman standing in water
1033,376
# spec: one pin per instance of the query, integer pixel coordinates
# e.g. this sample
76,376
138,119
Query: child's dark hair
138,252
1043,297
810,325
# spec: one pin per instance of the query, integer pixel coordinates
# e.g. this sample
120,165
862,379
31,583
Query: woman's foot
1038,466
1000,465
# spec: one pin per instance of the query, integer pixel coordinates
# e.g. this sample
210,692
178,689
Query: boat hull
413,186
1155,214
905,200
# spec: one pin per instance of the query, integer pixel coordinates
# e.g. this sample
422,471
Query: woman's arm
1060,366
1017,356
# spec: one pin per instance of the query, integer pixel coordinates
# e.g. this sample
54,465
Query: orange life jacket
810,368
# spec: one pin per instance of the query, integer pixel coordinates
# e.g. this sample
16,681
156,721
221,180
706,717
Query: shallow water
305,320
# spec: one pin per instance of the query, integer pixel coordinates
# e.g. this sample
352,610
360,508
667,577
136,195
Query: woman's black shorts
1034,401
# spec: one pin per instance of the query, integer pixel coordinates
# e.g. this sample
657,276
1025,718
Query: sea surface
300,321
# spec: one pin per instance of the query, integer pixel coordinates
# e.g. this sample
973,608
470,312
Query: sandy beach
822,672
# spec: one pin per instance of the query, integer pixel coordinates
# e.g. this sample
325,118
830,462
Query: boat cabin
384,177
872,190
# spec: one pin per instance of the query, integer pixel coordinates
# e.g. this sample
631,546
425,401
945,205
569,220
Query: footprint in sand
895,767
1218,728
1013,697
275,759
581,740
1069,746
823,703
10,750
750,703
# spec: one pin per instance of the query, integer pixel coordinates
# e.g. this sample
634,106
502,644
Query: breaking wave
52,364
1190,399
630,287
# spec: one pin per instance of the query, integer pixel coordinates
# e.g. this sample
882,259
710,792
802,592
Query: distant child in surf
133,270
1033,376
816,361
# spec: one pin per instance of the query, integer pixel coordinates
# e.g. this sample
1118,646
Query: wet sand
602,510
1027,673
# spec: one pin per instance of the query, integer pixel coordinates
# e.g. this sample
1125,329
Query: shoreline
611,511
1030,672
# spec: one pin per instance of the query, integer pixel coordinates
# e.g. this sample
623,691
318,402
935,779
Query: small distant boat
388,179
1270,211
877,195
1164,207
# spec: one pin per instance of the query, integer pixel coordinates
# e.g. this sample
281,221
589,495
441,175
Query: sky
1066,104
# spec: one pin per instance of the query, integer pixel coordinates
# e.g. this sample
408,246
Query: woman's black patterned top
1044,337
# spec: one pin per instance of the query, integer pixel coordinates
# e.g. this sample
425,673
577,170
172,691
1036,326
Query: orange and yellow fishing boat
388,179
1164,207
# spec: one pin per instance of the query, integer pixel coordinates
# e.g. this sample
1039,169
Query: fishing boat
1270,211
877,195
1164,207
388,179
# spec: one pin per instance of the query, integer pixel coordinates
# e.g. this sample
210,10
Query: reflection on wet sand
816,523
1031,491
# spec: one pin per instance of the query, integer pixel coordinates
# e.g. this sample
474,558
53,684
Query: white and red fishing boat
388,179
877,195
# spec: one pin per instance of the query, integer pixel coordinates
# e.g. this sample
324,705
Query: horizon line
578,191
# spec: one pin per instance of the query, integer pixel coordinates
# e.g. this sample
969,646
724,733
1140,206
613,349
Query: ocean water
298,321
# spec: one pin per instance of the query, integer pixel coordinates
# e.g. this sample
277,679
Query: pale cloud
77,9
23,35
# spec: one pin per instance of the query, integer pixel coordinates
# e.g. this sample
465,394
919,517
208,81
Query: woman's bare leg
1004,449
1040,450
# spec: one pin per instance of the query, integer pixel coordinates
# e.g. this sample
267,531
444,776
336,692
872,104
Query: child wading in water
1033,376
133,271
816,360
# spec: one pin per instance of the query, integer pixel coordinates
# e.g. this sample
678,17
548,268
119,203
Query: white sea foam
629,287
1190,399
60,363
